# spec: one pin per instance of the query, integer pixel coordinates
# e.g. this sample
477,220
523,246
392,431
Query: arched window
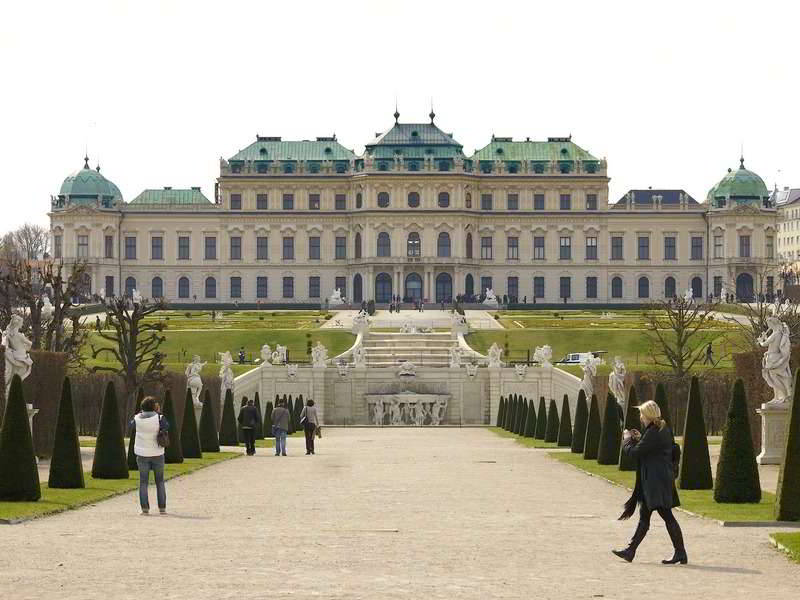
644,287
413,287
383,288
413,244
183,287
358,293
383,199
469,285
616,287
413,199
444,199
359,200
211,287
697,287
469,245
669,287
444,288
130,285
384,244
157,288
443,244
357,253
468,200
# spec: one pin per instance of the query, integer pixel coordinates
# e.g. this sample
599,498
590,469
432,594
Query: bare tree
33,241
9,251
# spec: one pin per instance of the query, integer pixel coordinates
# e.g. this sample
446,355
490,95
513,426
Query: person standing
709,354
310,421
280,426
248,419
655,451
149,453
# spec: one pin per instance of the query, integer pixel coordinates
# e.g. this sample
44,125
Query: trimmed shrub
500,410
227,427
132,466
511,412
541,420
290,406
66,469
628,463
209,442
663,403
259,428
268,421
190,439
610,434
523,417
737,477
173,454
592,441
695,469
298,408
581,418
530,421
19,475
565,425
551,434
110,461
787,502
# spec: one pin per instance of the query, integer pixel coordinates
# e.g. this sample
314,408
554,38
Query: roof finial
741,157
432,114
396,112
86,160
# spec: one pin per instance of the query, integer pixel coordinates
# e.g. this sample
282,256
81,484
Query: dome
739,187
87,186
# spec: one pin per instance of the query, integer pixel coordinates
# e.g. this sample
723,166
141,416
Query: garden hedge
663,403
519,429
787,503
610,434
627,462
500,410
66,468
268,421
565,425
19,475
695,468
227,427
737,477
581,418
593,427
132,465
530,421
541,420
551,434
209,442
509,416
110,460
287,402
173,454
259,428
190,439
299,403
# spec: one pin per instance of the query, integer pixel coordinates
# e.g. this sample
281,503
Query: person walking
248,419
280,426
709,354
655,452
149,453
310,421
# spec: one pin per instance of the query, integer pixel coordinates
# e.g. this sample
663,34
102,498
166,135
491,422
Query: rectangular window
486,202
744,246
183,247
57,246
616,247
313,248
513,248
564,287
340,283
157,247
770,286
262,201
538,287
109,246
591,287
719,247
697,248
288,287
538,247
109,286
718,286
591,201
512,287
565,248
261,287
313,287
538,202
486,248
643,248
770,246
591,248
211,247
236,202
130,248
236,287
513,201
486,284
313,202
288,202
288,249
262,248
236,248
565,202
670,248
83,246
340,202
340,247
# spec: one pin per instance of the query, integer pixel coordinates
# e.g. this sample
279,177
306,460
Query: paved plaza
390,513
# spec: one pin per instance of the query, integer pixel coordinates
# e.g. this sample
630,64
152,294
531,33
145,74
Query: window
643,248
57,246
236,202
669,287
538,202
443,244
340,202
616,247
565,203
616,287
83,246
413,199
236,287
313,202
468,200
359,200
211,248
262,247
591,248
564,287
469,246
486,284
261,287
183,247
130,248
413,244
744,246
486,248
718,285
512,202
313,286
384,244
236,247
211,287
697,248
383,287
383,199
340,247
444,200
313,248
183,287
565,248
262,201
538,287
340,283
288,202
591,204
357,245
719,248
538,247
591,287
670,246
130,285
288,248
288,287
109,246
512,288
644,287
513,248
486,202
770,285
157,247
770,246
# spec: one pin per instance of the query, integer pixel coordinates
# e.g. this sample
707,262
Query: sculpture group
775,362
410,409
18,360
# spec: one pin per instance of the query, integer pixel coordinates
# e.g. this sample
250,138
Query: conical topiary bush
541,420
110,461
239,431
227,426
593,427
132,466
627,462
19,475
530,420
737,471
173,454
287,402
509,413
663,403
259,428
581,419
268,421
787,502
565,425
66,468
610,434
695,469
209,442
190,439
500,409
299,403
551,433
523,407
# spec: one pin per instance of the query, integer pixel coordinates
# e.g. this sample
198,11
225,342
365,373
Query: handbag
162,437
319,431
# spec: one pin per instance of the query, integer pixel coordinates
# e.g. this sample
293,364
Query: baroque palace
290,221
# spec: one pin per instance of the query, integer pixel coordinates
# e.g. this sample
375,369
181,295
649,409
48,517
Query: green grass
524,441
790,541
242,319
58,500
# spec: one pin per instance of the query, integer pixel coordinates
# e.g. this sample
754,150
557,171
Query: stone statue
136,297
459,325
319,354
102,294
377,415
490,299
521,371
279,356
408,327
335,299
225,373
494,355
688,296
193,380
47,308
407,369
472,369
543,355
616,381
342,367
455,357
360,322
419,413
266,355
775,363
438,410
360,357
589,367
395,417
18,361
291,371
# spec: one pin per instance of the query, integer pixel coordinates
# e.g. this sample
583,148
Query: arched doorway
469,285
697,287
444,288
669,287
358,294
383,288
130,285
744,287
413,287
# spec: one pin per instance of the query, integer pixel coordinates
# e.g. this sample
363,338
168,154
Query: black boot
676,535
630,552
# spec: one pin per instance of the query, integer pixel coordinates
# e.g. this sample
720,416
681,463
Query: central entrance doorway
444,288
413,288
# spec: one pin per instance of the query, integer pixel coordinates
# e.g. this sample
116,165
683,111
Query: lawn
58,500
241,319
524,441
789,541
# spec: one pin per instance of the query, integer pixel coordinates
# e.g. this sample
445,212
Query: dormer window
538,167
383,166
263,152
428,150
288,168
413,165
499,151
262,167
328,150
341,167
486,167
415,136
236,168
313,168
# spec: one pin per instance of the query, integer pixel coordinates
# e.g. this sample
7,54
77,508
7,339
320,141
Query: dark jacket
655,483
248,416
280,418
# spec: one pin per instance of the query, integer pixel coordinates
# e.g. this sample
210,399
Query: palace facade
290,221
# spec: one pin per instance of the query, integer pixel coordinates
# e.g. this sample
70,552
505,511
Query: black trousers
310,429
249,435
673,528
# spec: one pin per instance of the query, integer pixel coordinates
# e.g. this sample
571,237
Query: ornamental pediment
79,210
745,209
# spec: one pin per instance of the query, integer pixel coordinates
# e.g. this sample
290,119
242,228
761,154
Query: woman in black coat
655,481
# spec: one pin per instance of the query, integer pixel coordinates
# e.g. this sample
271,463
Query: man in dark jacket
248,419
280,426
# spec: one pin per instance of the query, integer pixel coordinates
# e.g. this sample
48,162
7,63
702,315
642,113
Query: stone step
427,345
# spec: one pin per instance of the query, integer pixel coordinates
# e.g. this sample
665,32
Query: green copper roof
554,149
741,186
276,149
169,196
414,140
89,184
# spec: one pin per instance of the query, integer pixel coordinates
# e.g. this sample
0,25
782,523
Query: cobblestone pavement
392,513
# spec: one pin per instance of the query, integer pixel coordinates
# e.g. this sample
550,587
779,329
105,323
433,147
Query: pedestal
32,413
198,409
774,420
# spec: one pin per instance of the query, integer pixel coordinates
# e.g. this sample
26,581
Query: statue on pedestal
490,299
616,381
688,296
225,373
360,322
136,297
266,355
455,357
279,356
335,299
18,360
47,308
394,411
589,367
360,357
319,354
377,416
494,355
193,380
775,363
438,410
543,355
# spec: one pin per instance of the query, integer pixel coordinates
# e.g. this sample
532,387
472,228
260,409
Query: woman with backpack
150,430
656,453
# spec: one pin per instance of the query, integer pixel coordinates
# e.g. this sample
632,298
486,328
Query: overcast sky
668,92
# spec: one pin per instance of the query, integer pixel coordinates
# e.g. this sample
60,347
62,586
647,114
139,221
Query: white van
576,358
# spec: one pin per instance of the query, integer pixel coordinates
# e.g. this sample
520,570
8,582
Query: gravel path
393,513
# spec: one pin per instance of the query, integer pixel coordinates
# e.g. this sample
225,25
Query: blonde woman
655,451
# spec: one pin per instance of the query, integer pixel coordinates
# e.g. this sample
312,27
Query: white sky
160,90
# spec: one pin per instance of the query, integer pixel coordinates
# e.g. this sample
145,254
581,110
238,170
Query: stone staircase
422,349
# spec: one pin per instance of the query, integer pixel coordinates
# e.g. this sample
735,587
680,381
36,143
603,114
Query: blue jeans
280,441
156,464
